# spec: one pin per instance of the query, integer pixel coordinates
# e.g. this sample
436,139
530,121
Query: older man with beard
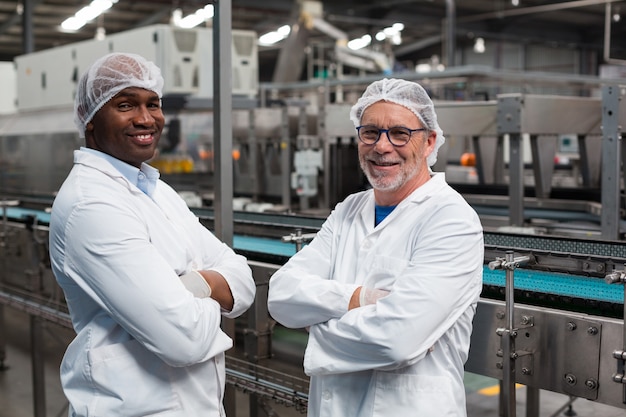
389,286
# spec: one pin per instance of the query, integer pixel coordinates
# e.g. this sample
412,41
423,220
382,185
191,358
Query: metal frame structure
517,115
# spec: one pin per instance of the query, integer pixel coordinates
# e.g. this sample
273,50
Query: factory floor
16,394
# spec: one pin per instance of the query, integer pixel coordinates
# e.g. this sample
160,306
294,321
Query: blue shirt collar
145,178
381,212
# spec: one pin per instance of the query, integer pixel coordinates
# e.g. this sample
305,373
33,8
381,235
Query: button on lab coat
404,355
144,345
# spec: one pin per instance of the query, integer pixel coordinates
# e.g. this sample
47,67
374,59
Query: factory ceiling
566,24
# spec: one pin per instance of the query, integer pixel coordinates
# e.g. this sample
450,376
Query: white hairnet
108,76
405,93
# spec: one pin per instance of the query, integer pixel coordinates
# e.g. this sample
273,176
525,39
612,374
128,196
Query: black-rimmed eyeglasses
398,136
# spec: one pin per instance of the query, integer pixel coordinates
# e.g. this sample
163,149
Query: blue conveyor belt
588,288
263,245
21,214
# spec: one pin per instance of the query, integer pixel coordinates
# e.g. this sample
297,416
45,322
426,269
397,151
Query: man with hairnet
146,284
389,286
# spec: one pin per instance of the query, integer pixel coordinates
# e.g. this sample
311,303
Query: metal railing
267,383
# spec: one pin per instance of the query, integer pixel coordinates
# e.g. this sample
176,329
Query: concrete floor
16,390
16,394
552,404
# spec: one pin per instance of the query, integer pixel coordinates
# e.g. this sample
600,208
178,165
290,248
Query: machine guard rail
267,383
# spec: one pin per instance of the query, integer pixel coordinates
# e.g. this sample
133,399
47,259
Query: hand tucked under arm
196,284
208,283
363,296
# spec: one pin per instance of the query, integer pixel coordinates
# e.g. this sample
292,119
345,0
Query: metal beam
154,17
611,161
16,18
28,38
222,130
534,10
450,28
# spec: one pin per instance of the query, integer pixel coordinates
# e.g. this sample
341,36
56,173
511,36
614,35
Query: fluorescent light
389,31
177,16
270,38
284,30
276,36
359,43
87,14
392,33
192,20
72,23
101,5
209,11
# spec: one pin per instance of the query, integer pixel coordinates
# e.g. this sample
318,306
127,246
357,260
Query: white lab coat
404,355
144,346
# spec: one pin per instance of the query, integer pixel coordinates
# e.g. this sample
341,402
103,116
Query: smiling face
128,127
395,172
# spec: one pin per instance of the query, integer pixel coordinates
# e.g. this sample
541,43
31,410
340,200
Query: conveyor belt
551,283
584,287
263,245
21,214
558,215
557,284
567,245
291,223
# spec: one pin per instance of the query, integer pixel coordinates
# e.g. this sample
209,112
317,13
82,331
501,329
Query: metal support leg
611,162
3,341
257,335
501,399
619,277
37,360
3,259
623,349
285,159
516,180
508,334
532,402
510,109
508,345
543,152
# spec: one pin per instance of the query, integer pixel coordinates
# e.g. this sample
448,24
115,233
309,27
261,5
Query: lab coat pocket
413,395
130,381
